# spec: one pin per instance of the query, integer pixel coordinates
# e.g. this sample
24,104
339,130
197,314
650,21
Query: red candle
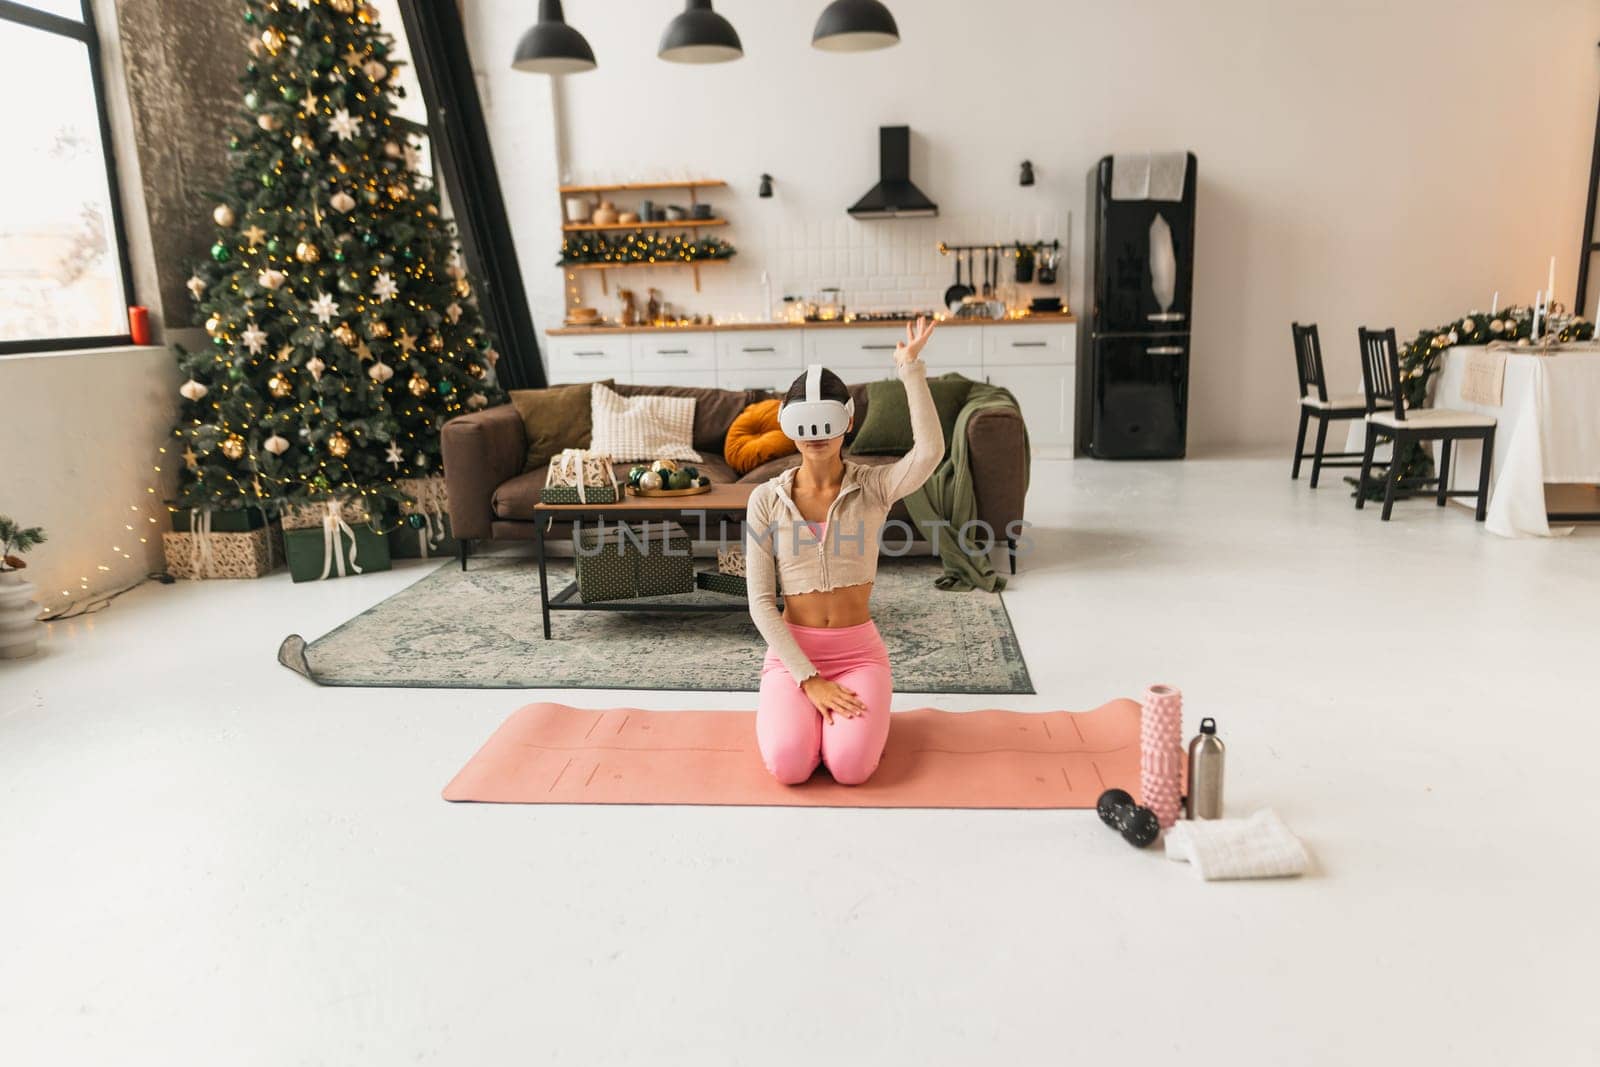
139,325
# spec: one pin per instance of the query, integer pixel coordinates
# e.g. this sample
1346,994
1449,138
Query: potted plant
19,615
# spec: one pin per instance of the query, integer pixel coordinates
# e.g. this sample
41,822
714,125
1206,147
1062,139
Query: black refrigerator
1133,352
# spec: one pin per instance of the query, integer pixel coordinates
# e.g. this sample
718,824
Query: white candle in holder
1494,305
1550,287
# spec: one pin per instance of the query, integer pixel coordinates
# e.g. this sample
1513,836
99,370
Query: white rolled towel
1258,847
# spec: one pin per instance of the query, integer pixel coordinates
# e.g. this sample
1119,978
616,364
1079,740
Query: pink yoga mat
554,754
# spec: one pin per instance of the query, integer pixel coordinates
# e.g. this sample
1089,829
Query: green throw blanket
949,497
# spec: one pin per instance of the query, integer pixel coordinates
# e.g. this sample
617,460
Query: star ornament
385,288
344,124
254,338
255,235
393,455
196,286
453,313
407,343
190,458
324,308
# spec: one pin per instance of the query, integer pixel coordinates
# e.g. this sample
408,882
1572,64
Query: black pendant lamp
551,46
855,26
700,35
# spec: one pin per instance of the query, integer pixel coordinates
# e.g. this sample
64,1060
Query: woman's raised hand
917,335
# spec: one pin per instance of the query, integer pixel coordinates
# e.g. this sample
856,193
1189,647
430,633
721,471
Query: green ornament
249,18
266,181
220,252
679,479
251,68
233,143
338,256
445,388
273,246
416,522
369,239
289,92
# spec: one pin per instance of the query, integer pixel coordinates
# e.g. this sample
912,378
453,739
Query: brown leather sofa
492,497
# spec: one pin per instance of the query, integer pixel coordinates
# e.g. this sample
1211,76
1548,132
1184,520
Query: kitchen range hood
894,197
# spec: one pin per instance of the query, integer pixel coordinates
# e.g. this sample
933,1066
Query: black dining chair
1388,416
1316,404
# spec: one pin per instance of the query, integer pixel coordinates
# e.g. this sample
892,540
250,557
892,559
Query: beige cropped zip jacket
781,549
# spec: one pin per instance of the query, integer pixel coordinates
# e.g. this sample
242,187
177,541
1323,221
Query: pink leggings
790,730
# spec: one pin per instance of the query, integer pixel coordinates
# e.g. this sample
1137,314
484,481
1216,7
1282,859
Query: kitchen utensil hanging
957,292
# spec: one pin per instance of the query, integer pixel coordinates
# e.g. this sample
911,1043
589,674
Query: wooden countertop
1028,320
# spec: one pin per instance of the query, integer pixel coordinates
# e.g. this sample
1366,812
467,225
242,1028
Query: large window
63,261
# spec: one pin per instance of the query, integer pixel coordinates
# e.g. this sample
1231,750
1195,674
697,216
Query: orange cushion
754,438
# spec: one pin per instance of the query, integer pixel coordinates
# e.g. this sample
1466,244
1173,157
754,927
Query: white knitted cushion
642,427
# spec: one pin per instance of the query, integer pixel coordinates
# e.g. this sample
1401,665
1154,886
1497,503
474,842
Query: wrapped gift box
241,520
223,555
719,582
310,515
568,494
612,565
305,550
430,503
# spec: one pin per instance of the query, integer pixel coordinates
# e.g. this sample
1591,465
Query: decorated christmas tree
344,329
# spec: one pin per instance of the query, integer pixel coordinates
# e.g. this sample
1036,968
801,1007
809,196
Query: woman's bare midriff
834,608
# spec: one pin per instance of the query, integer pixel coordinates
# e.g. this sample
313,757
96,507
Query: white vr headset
815,419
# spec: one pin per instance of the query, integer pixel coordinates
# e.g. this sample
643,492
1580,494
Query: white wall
1361,161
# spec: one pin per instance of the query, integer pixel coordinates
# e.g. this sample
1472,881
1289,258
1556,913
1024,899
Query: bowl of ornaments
666,477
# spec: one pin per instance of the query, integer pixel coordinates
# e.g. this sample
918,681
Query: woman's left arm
906,474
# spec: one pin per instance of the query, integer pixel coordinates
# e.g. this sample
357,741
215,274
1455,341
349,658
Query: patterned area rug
480,630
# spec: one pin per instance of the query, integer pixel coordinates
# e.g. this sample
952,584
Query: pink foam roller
1161,754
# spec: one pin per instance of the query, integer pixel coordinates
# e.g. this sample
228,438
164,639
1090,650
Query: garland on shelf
642,246
1419,361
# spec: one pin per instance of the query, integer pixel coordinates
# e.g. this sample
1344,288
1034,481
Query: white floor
205,859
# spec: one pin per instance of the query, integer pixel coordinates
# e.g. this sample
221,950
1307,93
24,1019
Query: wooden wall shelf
696,264
678,224
642,187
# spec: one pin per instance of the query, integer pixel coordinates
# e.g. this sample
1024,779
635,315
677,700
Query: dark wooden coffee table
722,505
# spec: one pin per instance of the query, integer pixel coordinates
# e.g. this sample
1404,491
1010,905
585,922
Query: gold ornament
279,386
307,252
380,372
398,192
284,353
339,445
343,7
345,335
375,70
267,122
276,445
378,328
271,279
476,370
419,386
272,39
463,289
435,343
233,446
213,325
222,215
302,144
364,352
342,202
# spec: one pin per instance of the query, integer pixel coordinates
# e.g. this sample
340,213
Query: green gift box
618,562
568,494
305,550
240,520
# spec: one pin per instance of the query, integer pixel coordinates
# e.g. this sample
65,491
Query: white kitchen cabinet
587,358
1030,343
655,353
857,354
758,359
1045,394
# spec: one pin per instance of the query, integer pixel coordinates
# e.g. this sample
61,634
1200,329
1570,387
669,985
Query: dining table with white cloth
1546,405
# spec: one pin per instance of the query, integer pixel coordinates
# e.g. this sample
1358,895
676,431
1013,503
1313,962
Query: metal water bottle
1206,754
